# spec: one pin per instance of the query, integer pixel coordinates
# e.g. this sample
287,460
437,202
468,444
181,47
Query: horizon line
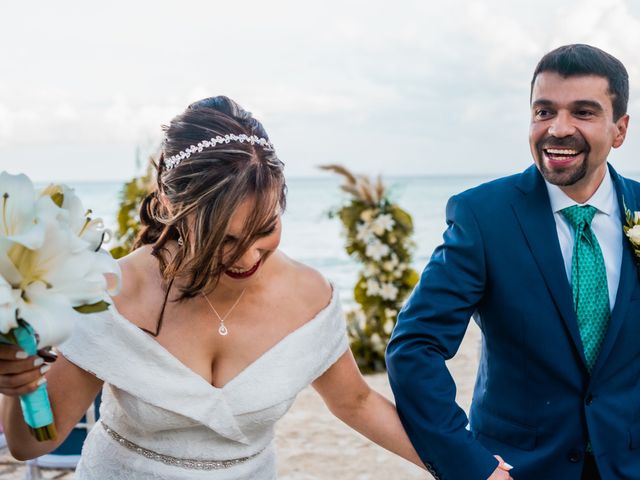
320,176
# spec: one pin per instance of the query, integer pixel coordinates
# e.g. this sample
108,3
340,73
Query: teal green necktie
589,282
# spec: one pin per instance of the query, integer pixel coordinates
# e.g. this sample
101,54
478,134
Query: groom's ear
621,125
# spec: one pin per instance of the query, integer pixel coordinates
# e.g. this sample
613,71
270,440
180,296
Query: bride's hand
19,373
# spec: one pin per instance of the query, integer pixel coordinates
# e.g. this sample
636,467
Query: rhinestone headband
173,162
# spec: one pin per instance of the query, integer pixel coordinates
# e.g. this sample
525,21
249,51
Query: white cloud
66,113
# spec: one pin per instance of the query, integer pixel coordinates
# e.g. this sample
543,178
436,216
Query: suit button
575,456
588,400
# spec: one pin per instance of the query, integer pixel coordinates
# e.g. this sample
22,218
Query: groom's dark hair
581,59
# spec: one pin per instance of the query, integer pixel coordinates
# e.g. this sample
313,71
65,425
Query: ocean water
310,236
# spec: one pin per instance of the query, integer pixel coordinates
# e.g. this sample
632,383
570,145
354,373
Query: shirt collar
603,199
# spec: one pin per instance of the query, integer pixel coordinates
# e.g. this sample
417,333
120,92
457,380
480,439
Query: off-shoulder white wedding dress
160,420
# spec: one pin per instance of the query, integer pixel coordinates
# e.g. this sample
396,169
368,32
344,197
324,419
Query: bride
215,330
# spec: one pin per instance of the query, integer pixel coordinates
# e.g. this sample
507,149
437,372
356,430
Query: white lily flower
61,268
110,268
636,217
80,220
54,279
49,269
51,315
8,304
376,250
18,212
7,269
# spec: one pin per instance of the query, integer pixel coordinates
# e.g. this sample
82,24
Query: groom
541,262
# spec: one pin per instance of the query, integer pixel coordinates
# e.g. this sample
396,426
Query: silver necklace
222,330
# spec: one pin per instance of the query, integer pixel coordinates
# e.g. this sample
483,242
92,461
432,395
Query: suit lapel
628,273
534,214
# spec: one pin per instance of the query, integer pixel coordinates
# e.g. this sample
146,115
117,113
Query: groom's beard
564,176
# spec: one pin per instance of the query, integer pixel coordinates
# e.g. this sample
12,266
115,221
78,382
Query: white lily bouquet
52,271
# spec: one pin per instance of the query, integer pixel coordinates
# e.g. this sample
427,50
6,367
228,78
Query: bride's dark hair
195,200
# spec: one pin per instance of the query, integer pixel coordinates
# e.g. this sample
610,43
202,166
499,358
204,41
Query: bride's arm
351,400
71,392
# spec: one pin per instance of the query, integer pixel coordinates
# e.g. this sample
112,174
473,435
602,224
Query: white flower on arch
364,233
388,291
373,287
376,250
383,223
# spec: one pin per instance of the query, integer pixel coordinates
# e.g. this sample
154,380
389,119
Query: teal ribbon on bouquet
36,408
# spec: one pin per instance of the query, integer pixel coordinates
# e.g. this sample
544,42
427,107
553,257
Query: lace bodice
153,400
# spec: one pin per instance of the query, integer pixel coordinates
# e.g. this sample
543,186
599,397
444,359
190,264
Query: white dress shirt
606,225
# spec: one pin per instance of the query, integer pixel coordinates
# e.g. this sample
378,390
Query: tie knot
577,215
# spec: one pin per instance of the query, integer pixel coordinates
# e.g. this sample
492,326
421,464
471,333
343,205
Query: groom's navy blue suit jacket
534,402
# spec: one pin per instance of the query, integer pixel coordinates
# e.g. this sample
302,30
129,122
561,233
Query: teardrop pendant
222,330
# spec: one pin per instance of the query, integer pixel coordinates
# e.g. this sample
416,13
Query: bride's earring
180,242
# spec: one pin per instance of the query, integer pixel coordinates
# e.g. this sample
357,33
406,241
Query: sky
402,88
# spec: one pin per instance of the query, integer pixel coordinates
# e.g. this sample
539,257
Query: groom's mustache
575,142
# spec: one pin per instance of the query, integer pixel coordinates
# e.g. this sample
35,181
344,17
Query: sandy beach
314,445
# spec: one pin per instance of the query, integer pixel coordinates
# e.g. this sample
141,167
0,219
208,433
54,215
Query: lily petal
51,315
106,264
8,304
18,221
7,269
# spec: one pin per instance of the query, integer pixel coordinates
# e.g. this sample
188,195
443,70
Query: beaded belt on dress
192,464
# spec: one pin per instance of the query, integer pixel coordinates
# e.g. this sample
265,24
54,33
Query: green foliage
131,196
378,234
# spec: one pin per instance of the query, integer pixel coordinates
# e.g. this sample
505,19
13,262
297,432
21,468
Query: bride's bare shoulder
140,277
311,287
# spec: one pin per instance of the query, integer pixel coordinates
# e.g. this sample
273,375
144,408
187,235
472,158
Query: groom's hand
502,471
